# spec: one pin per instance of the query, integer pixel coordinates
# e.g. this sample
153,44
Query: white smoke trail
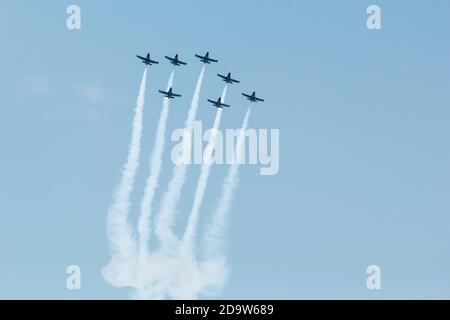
120,235
188,237
152,181
164,223
215,231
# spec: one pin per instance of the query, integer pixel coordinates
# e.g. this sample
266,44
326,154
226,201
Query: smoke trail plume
120,235
173,270
152,181
202,183
215,231
164,223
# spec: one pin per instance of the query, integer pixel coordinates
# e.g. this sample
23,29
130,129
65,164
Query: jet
206,58
218,103
169,94
175,60
228,78
252,97
147,60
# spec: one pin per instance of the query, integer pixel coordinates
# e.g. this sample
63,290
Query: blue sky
364,151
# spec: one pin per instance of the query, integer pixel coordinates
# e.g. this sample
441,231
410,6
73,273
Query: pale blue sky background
364,120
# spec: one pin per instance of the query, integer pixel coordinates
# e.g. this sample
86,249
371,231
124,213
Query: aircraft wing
200,57
153,61
224,105
235,81
259,99
223,77
169,58
212,60
212,101
163,92
176,95
142,58
246,95
181,62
